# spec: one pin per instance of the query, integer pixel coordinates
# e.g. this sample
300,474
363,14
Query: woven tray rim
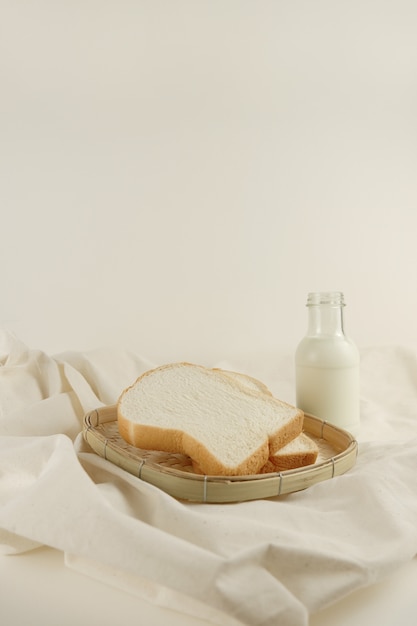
202,488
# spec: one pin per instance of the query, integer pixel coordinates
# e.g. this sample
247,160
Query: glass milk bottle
327,365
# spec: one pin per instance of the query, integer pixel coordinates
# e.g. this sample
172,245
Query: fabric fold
251,563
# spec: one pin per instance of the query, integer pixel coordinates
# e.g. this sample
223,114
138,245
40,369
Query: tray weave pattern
173,473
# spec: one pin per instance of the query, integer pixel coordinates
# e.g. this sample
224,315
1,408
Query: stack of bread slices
229,424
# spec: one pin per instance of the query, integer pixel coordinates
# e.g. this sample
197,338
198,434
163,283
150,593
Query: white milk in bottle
327,365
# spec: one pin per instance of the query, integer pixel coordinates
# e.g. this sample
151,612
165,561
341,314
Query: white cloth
262,562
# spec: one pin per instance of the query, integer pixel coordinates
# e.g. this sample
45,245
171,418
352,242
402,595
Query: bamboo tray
173,473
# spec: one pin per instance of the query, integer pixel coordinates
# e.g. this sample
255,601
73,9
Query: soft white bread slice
299,452
224,426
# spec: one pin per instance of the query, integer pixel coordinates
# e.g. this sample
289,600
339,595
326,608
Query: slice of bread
226,427
299,452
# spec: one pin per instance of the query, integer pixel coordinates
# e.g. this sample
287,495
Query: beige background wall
177,175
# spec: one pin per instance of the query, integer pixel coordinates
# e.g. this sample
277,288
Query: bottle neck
325,319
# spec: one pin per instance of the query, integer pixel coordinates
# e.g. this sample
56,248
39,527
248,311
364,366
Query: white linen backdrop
262,562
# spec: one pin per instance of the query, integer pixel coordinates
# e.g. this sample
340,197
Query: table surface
38,589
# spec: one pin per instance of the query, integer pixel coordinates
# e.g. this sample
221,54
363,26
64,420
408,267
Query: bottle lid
332,298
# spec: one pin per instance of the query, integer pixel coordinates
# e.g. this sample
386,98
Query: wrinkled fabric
251,563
